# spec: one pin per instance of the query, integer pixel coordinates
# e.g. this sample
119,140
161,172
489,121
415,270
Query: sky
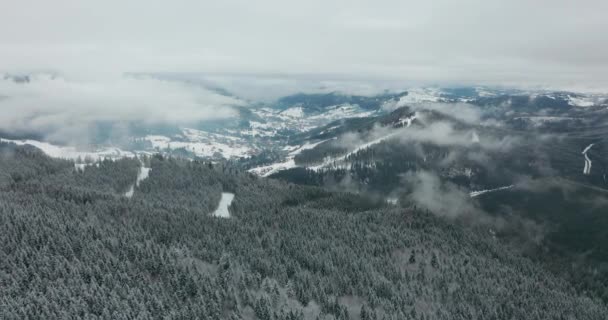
91,49
515,42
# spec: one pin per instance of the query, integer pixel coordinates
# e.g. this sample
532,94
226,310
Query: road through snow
587,168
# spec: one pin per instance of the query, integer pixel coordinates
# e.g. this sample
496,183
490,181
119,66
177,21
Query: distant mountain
313,103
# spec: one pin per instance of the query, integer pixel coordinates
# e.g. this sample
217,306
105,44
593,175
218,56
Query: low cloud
445,199
445,133
462,111
268,88
459,142
61,108
442,198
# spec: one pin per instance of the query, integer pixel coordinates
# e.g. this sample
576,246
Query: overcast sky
515,42
278,47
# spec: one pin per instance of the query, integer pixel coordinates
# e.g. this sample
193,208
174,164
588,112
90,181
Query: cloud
445,133
61,107
458,142
558,43
444,199
267,88
462,111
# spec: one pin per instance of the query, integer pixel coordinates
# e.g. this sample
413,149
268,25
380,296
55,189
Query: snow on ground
308,146
210,149
141,176
260,129
258,133
222,208
342,111
587,148
259,125
276,121
130,192
415,96
483,92
587,168
289,162
480,192
294,119
71,153
364,146
203,144
290,148
581,101
293,112
158,142
329,129
82,166
408,121
200,135
265,171
418,95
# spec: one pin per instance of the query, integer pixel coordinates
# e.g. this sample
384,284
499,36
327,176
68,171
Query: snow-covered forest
72,245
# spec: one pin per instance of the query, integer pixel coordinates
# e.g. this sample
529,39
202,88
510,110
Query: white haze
63,108
267,88
441,198
438,132
516,42
443,133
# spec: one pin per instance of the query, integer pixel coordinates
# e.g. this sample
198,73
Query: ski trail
222,207
480,192
359,148
587,168
141,175
288,163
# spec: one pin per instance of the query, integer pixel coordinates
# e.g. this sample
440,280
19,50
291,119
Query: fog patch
465,112
444,133
63,109
268,88
442,198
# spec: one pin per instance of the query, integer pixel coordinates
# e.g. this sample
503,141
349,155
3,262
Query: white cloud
560,43
441,198
56,105
270,87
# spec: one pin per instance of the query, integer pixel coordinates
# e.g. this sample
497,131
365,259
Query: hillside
73,244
